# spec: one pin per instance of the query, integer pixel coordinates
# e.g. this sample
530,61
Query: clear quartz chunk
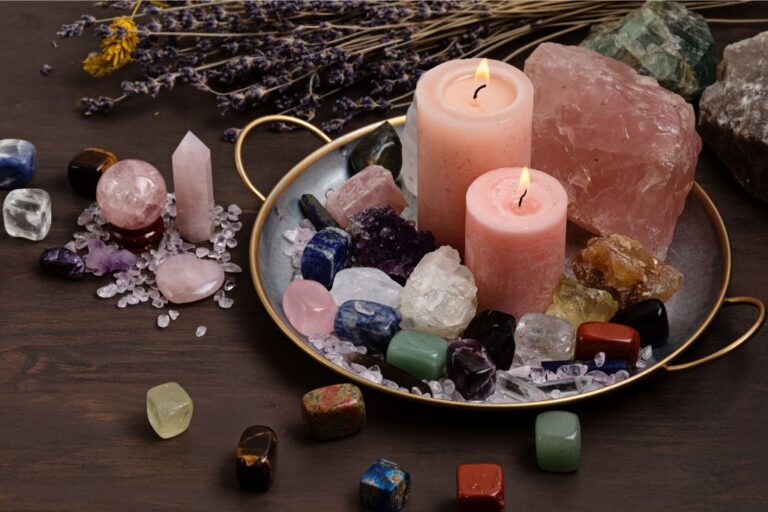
370,284
518,389
27,213
545,337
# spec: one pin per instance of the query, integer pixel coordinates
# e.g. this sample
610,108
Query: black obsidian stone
380,147
389,372
470,367
649,319
86,168
257,458
316,213
139,240
62,262
496,331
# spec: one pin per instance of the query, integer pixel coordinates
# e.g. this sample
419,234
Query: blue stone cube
385,487
325,255
17,163
367,323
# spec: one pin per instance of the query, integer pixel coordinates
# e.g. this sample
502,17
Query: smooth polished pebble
86,168
131,194
367,323
615,340
313,210
496,331
325,255
17,163
186,278
332,412
558,441
420,354
649,319
309,307
480,488
169,409
256,458
385,487
27,213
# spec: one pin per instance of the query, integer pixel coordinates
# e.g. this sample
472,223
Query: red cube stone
616,340
480,487
333,411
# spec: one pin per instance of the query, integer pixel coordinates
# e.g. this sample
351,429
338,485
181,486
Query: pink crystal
623,147
193,185
103,259
373,187
131,194
309,307
186,278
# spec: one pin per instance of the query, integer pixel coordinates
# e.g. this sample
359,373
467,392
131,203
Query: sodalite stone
27,213
316,213
385,487
470,367
496,331
325,255
367,323
60,261
17,163
369,284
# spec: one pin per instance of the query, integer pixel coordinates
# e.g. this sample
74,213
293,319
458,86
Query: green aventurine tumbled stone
558,441
422,355
663,40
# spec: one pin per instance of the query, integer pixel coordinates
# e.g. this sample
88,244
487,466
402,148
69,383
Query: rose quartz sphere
309,307
131,194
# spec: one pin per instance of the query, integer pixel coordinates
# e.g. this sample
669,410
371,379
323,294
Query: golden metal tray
701,250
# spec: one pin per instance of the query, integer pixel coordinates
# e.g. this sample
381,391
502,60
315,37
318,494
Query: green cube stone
558,441
422,355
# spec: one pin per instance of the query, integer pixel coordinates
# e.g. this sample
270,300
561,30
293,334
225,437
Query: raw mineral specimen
649,318
366,323
517,389
169,409
131,194
579,304
309,307
409,173
370,284
440,297
496,331
60,261
664,40
256,458
385,487
470,367
85,170
623,268
193,186
613,340
17,163
384,240
373,187
608,366
27,213
332,412
313,210
104,259
624,148
186,278
733,113
325,255
558,441
380,147
545,337
480,488
421,355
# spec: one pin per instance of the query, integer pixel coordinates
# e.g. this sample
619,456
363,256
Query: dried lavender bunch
301,56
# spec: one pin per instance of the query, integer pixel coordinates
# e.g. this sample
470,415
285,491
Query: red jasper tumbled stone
616,340
480,488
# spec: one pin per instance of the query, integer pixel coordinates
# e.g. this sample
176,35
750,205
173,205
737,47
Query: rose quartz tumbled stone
131,194
624,148
372,187
186,278
309,307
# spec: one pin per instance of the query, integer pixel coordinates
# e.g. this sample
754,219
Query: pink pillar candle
515,250
460,138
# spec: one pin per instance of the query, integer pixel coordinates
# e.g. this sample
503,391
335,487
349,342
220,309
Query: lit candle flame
522,187
483,72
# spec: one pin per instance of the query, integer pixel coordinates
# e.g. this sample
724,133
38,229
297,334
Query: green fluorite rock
558,441
663,40
420,354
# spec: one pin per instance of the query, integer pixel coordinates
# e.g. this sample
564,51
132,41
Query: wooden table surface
74,369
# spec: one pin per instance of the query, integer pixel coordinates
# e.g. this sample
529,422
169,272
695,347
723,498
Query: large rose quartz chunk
131,194
309,307
373,187
186,278
193,185
623,147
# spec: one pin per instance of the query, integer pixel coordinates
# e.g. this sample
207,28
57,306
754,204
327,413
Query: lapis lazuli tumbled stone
496,331
385,487
609,366
469,365
649,319
367,323
60,261
326,254
316,213
17,163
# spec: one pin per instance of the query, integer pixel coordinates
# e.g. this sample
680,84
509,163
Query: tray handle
756,325
258,122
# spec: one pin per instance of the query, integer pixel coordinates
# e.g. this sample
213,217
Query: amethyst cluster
384,240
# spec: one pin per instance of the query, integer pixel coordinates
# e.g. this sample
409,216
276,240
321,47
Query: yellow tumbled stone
169,409
579,304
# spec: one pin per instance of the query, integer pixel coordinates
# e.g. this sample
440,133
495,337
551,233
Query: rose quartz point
193,185
373,187
131,194
624,148
309,307
186,278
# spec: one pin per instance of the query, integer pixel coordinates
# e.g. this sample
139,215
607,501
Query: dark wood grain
74,369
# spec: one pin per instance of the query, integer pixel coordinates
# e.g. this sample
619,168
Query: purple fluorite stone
384,240
103,259
470,367
60,261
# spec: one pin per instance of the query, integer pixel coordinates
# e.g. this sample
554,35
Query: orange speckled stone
616,340
333,411
480,488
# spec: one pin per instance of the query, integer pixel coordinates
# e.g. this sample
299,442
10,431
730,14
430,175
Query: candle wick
478,90
520,202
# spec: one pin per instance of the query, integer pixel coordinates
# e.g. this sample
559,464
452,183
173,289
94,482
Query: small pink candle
464,131
516,248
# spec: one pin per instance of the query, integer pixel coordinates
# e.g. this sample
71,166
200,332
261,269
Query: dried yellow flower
118,48
96,66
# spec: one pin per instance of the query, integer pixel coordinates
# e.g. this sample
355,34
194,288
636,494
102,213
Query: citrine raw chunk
169,409
579,304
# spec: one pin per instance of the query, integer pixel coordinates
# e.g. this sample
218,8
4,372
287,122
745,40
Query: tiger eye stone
256,458
616,340
86,168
